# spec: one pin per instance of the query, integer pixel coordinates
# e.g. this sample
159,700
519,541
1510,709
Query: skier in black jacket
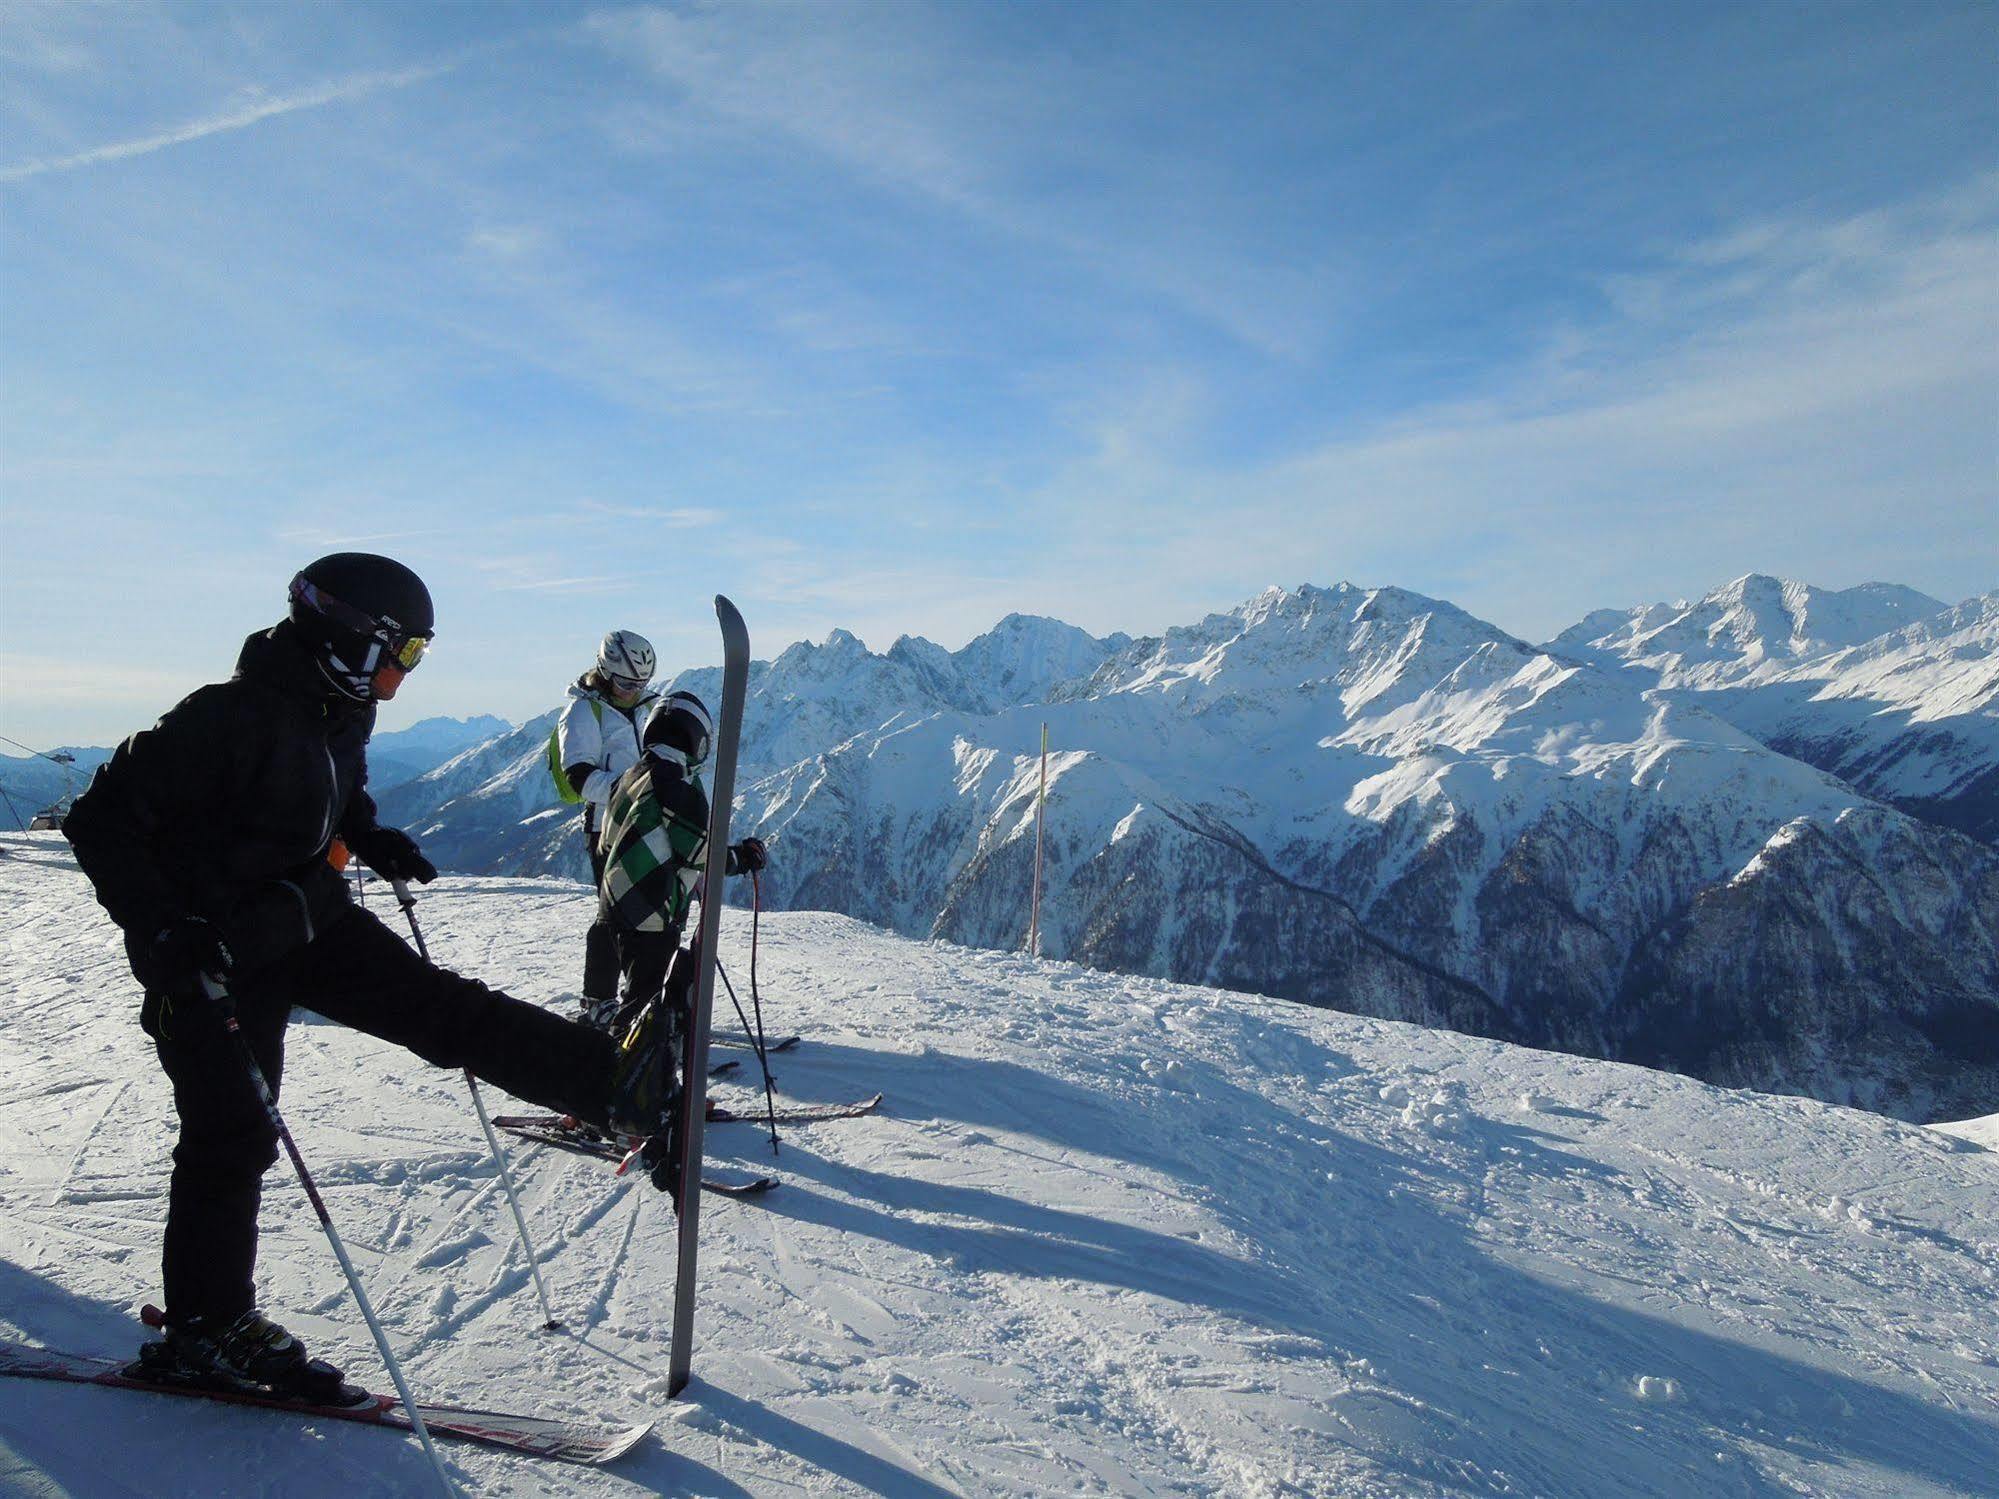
210,838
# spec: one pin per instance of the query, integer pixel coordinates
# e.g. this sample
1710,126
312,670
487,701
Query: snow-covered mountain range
1370,800
1107,1235
1890,690
493,808
404,754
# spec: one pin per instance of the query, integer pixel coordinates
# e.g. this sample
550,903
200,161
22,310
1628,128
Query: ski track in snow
1107,1236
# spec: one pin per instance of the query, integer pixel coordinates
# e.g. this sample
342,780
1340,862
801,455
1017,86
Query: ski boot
661,1156
645,1093
249,1355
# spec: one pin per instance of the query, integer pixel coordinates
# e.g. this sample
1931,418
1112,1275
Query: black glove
181,952
392,854
750,855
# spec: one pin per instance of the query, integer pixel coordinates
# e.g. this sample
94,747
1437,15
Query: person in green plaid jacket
654,844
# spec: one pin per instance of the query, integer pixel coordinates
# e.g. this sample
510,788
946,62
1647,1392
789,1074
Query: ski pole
756,1001
217,992
756,1045
550,1322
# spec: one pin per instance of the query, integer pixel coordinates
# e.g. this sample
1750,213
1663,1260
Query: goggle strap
407,649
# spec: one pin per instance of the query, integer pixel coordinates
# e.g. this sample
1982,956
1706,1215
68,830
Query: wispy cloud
895,98
338,91
319,536
39,35
679,517
1797,396
27,680
601,583
565,322
510,242
532,573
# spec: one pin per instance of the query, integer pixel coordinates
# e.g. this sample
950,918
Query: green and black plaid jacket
655,844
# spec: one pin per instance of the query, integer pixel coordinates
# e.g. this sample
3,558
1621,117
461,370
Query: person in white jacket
596,742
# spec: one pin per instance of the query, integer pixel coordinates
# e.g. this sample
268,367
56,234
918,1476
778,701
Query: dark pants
643,959
360,974
600,942
657,968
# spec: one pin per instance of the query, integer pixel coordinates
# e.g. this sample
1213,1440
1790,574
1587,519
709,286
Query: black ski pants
360,974
646,959
643,958
600,942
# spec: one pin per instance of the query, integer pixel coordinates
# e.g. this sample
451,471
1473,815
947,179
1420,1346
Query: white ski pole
550,1322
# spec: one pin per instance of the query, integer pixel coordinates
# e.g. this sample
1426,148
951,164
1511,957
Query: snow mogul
595,742
652,851
212,839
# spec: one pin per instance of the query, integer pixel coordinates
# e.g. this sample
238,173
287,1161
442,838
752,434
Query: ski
723,1069
806,1113
744,1043
756,1186
553,1132
799,1113
537,1436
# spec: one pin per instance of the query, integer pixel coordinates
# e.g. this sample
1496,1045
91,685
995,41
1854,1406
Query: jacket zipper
332,795
304,907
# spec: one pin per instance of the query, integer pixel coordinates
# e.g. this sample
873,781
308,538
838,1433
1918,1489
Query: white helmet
625,659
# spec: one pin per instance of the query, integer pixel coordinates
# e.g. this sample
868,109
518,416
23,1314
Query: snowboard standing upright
694,1059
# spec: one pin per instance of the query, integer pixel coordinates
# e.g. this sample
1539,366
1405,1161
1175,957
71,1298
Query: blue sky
900,316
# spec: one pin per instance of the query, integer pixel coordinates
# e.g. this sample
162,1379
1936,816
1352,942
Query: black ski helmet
359,613
679,728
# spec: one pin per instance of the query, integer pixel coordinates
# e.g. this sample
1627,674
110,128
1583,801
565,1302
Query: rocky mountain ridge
1908,713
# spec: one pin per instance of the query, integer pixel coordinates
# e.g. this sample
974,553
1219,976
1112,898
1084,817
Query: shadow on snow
1488,1369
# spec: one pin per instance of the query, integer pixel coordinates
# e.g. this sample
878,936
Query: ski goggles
400,646
628,686
409,650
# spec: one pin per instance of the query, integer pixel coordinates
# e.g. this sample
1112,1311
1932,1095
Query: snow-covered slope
1981,1132
1882,686
1108,1235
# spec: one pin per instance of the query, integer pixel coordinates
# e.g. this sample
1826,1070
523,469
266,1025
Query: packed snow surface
1983,1132
1107,1236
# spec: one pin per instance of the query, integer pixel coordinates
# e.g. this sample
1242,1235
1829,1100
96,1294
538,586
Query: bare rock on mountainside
1869,948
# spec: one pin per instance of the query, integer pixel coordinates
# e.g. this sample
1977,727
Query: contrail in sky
337,92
